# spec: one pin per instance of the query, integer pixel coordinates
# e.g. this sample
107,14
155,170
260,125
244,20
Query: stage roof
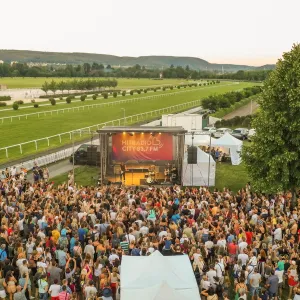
145,129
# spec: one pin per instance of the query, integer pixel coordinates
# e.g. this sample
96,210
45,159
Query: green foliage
68,99
5,98
82,97
19,102
139,91
94,97
131,92
15,106
35,105
273,159
53,101
145,91
123,93
115,94
244,121
61,98
105,95
3,104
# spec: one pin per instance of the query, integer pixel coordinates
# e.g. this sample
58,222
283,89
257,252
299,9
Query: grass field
34,128
232,177
30,82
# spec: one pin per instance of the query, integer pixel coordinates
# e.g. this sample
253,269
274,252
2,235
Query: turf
23,130
30,82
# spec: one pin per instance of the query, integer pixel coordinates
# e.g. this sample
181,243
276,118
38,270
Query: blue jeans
43,296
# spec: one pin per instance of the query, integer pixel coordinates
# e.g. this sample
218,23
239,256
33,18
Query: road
242,111
56,169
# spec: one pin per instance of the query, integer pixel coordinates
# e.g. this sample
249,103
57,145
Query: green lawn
30,82
84,175
20,131
232,177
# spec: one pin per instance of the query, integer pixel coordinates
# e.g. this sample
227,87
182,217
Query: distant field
29,82
20,131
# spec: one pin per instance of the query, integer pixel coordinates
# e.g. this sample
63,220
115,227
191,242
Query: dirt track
242,111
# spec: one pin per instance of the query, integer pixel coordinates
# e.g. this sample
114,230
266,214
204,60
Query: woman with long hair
10,282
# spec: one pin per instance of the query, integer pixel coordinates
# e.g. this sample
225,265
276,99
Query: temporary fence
118,122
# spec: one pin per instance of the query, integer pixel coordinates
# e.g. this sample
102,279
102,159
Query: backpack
63,242
135,252
219,290
106,292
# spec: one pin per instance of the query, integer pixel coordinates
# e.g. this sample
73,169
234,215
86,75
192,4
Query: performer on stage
167,173
122,171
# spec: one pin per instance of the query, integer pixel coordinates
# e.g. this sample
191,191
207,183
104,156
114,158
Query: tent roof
199,140
227,140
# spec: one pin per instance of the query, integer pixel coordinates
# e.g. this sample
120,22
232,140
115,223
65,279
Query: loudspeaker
192,155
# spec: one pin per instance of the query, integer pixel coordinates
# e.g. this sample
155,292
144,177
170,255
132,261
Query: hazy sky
252,32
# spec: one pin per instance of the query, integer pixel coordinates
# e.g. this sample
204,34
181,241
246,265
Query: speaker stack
192,155
92,155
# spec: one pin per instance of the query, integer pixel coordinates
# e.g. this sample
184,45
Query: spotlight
152,133
131,133
160,133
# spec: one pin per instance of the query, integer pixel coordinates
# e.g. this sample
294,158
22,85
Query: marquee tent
158,277
197,174
230,145
199,140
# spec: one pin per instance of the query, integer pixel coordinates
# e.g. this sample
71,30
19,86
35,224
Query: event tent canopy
199,140
197,174
158,277
234,145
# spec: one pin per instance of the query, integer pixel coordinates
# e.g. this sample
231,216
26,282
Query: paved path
242,111
56,169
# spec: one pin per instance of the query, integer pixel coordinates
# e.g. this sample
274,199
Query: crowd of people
67,241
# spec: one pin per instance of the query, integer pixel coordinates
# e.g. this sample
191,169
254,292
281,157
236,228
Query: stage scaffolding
106,132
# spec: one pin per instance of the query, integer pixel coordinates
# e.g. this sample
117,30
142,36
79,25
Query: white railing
105,104
118,122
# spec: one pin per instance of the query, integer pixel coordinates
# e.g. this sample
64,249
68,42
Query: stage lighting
131,133
152,133
160,133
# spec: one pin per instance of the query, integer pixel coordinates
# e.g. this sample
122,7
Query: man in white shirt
113,256
211,274
277,233
220,268
244,258
54,289
130,237
89,249
243,245
144,229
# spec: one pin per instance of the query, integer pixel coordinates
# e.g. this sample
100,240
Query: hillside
148,61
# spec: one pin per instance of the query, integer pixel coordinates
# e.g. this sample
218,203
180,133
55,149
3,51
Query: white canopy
197,174
234,145
158,277
199,140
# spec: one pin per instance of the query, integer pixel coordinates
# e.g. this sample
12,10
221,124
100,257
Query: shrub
154,90
82,97
131,92
171,87
115,94
145,91
19,102
138,91
164,89
94,97
5,98
53,101
69,99
50,99
123,93
15,106
61,98
35,105
3,104
178,86
105,95
33,101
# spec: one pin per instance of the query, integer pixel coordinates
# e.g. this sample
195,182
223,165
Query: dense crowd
67,242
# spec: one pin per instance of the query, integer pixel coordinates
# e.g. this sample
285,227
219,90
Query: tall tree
45,87
273,159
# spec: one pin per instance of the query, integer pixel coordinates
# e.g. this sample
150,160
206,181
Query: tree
15,106
45,87
273,159
61,86
53,86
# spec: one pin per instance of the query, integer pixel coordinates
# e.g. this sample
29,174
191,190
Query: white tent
158,277
199,140
230,145
197,174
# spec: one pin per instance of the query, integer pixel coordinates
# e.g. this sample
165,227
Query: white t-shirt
278,234
210,275
244,258
54,290
279,274
242,246
90,291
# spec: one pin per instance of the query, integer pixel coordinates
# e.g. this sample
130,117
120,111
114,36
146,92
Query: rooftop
145,129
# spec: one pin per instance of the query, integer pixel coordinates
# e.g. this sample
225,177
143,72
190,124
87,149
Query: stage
146,155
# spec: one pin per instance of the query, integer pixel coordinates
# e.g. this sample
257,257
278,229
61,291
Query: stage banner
138,146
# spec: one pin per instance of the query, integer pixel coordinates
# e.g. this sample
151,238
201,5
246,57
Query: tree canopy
273,158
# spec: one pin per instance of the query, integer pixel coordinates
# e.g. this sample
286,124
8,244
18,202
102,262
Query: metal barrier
118,122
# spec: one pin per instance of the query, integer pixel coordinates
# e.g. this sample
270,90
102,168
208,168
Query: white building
190,122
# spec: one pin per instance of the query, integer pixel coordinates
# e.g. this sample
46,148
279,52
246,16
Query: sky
252,32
